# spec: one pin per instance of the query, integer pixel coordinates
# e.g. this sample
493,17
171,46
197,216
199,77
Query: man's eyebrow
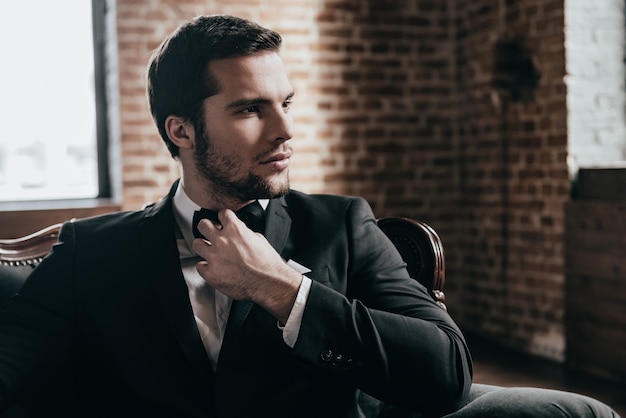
245,102
241,103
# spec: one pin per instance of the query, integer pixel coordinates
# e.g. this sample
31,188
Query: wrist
278,294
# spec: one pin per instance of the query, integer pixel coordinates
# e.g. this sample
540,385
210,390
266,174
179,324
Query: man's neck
204,197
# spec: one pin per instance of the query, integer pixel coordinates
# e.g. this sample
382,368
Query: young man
294,310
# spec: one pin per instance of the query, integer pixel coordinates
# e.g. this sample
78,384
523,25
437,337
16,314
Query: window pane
47,101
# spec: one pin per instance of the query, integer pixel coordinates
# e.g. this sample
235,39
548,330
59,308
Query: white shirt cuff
292,327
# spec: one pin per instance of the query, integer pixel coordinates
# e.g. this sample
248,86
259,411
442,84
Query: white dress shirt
210,306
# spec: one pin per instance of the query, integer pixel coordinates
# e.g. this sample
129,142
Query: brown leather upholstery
422,250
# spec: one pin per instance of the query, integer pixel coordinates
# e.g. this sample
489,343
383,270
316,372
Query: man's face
243,149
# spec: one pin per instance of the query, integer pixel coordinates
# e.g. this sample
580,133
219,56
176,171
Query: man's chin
275,191
274,187
280,193
264,190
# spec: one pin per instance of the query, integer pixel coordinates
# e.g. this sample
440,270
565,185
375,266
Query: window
596,97
52,106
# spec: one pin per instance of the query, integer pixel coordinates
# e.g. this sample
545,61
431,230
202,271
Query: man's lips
281,156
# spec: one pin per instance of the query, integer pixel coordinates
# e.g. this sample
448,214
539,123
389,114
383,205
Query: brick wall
513,171
409,104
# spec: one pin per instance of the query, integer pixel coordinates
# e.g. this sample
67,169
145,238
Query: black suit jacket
110,305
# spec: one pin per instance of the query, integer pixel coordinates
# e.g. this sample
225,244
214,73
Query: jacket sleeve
379,329
36,325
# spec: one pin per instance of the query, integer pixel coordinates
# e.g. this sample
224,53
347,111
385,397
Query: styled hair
178,74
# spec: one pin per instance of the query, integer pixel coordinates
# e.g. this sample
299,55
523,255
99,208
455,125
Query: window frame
99,12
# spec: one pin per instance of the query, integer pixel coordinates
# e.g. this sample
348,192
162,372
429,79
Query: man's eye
251,109
287,105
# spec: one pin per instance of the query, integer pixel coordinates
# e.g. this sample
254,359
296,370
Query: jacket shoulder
297,197
319,205
109,220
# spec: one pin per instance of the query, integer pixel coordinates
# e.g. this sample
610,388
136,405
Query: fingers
203,269
227,216
212,230
207,228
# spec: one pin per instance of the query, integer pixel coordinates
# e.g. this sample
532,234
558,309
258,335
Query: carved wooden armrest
30,249
422,251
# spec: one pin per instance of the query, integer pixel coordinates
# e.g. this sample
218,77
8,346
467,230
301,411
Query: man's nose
282,126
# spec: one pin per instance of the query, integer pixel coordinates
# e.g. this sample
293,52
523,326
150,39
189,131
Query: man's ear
180,131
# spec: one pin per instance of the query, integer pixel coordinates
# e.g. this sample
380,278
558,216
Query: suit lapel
277,226
157,234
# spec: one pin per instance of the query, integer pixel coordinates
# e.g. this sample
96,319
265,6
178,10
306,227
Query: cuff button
326,355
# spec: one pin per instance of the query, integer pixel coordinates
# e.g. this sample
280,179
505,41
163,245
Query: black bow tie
252,215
